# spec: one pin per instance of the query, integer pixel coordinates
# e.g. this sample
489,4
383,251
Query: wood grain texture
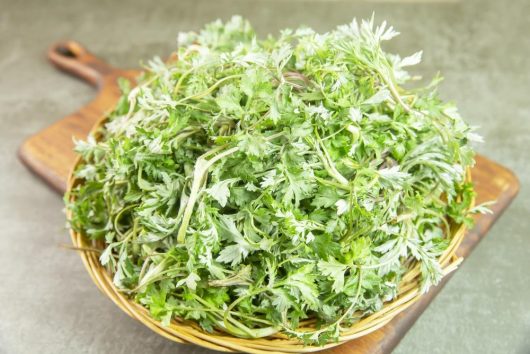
49,154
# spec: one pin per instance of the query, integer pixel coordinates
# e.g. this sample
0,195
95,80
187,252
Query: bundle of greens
251,184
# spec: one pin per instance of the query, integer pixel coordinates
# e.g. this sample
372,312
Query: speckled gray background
47,302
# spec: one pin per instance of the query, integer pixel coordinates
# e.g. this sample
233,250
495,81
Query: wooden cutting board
49,154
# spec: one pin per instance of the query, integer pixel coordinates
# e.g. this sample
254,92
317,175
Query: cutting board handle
74,59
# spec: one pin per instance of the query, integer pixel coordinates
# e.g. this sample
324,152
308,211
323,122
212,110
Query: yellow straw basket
181,331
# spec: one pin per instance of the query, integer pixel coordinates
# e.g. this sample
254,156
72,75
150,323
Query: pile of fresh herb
250,184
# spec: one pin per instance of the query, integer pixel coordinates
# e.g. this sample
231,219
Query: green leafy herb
251,184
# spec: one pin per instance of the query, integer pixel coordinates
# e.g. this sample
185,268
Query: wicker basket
181,331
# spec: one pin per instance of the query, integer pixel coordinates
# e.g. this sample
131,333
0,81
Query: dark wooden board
49,154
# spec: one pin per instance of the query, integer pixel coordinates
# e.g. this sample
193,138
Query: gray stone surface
47,301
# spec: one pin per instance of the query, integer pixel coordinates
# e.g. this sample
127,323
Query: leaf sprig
252,184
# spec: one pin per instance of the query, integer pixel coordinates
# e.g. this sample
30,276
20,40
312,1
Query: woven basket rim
188,332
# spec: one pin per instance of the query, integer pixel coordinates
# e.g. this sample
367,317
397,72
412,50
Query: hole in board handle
66,52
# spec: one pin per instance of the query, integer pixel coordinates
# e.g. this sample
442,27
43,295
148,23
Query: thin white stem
201,170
